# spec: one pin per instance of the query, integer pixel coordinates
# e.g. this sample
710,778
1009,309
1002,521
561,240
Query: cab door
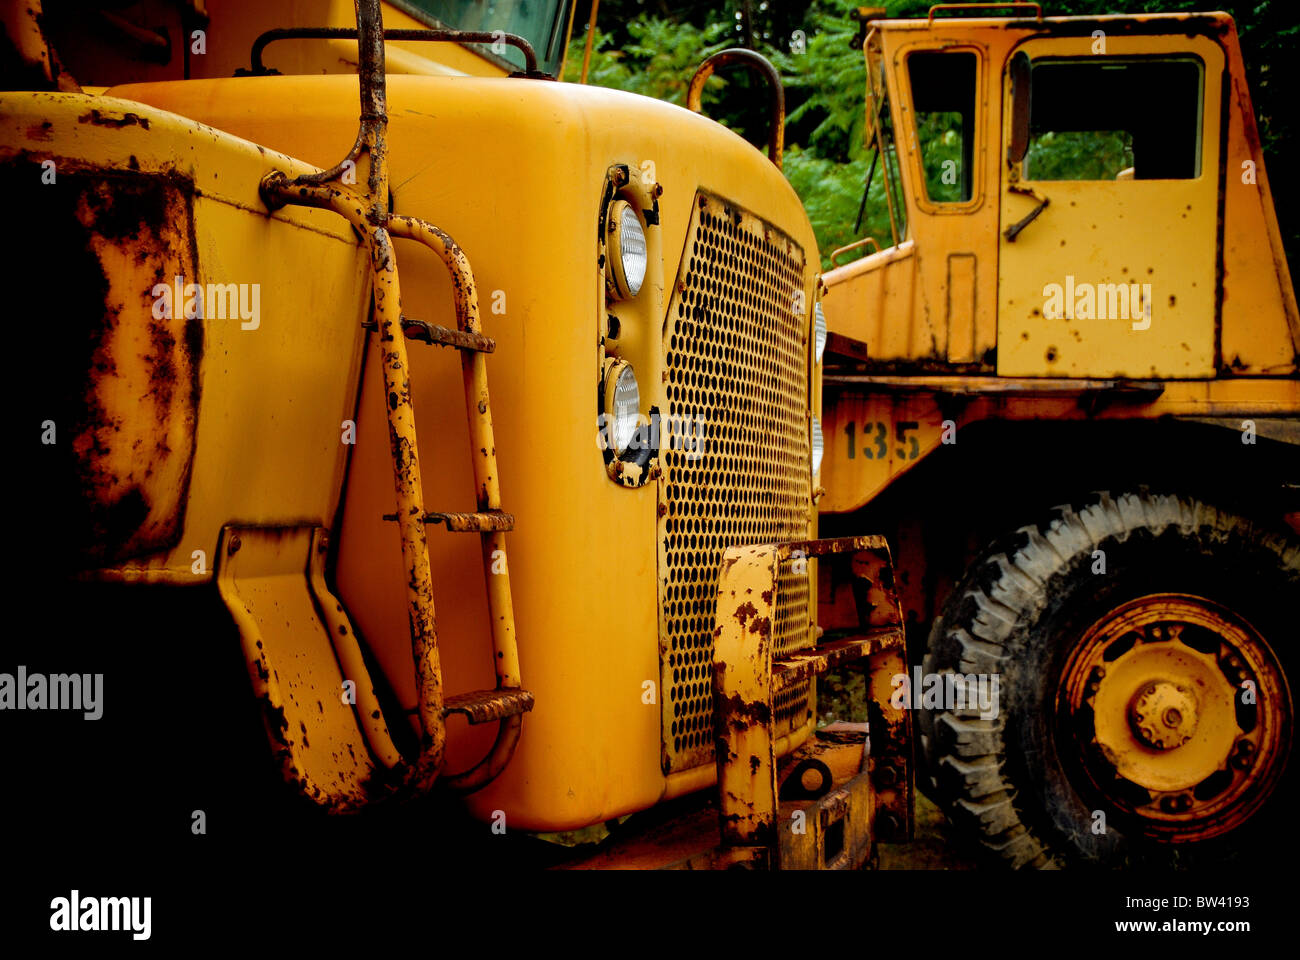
1109,208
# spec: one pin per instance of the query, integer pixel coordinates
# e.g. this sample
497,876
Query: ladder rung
433,334
802,664
484,706
489,521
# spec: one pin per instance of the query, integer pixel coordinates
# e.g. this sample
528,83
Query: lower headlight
818,445
622,405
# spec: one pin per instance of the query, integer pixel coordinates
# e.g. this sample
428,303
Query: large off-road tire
1127,635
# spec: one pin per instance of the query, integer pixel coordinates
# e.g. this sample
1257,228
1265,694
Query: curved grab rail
759,63
853,246
434,36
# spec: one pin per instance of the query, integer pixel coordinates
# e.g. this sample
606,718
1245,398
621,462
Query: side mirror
1019,73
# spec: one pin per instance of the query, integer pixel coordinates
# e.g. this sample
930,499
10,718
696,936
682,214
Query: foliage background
652,47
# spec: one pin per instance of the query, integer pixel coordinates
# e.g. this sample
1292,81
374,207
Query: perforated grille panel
735,355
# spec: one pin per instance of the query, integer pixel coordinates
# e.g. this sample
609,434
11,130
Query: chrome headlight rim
627,251
642,443
819,332
816,445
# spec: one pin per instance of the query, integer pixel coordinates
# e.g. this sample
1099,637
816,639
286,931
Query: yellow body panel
514,170
908,427
248,454
1111,233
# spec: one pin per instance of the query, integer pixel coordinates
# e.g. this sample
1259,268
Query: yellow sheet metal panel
191,428
1261,325
873,439
1065,283
876,300
309,712
890,432
514,170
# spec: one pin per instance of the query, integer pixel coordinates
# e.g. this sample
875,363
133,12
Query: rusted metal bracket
760,64
436,335
747,676
486,522
357,189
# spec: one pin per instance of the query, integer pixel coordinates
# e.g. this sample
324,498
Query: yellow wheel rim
1178,713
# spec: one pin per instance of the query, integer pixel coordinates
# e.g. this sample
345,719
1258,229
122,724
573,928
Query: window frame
915,164
1201,139
559,35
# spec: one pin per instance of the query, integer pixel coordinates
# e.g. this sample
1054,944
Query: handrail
853,246
755,61
433,36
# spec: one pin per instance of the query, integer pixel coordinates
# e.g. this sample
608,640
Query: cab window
1114,119
943,86
541,22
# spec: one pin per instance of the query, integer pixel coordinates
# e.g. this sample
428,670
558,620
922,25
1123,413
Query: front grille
736,360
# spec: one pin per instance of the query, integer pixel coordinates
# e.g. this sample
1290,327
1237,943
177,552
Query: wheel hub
1178,714
1163,715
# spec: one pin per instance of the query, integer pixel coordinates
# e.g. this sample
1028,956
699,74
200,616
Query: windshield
543,23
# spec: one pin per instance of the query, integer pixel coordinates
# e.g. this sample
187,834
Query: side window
1113,119
943,89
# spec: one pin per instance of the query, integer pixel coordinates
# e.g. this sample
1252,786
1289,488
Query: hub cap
1177,713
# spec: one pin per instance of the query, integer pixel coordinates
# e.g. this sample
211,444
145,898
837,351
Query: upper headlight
819,331
626,261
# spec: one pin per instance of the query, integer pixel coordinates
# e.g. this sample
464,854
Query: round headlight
818,445
819,331
626,259
622,405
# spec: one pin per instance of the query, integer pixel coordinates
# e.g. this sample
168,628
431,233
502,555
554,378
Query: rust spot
125,393
116,122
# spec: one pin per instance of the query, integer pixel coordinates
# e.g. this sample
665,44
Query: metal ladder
357,189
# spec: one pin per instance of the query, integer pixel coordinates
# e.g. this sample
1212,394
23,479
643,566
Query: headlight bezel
617,374
628,326
621,247
820,333
816,444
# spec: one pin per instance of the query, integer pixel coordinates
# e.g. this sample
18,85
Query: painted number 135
875,440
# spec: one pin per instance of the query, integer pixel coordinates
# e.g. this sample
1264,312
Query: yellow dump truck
1065,388
267,433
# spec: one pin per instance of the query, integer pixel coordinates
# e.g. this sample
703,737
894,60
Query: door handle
1014,230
